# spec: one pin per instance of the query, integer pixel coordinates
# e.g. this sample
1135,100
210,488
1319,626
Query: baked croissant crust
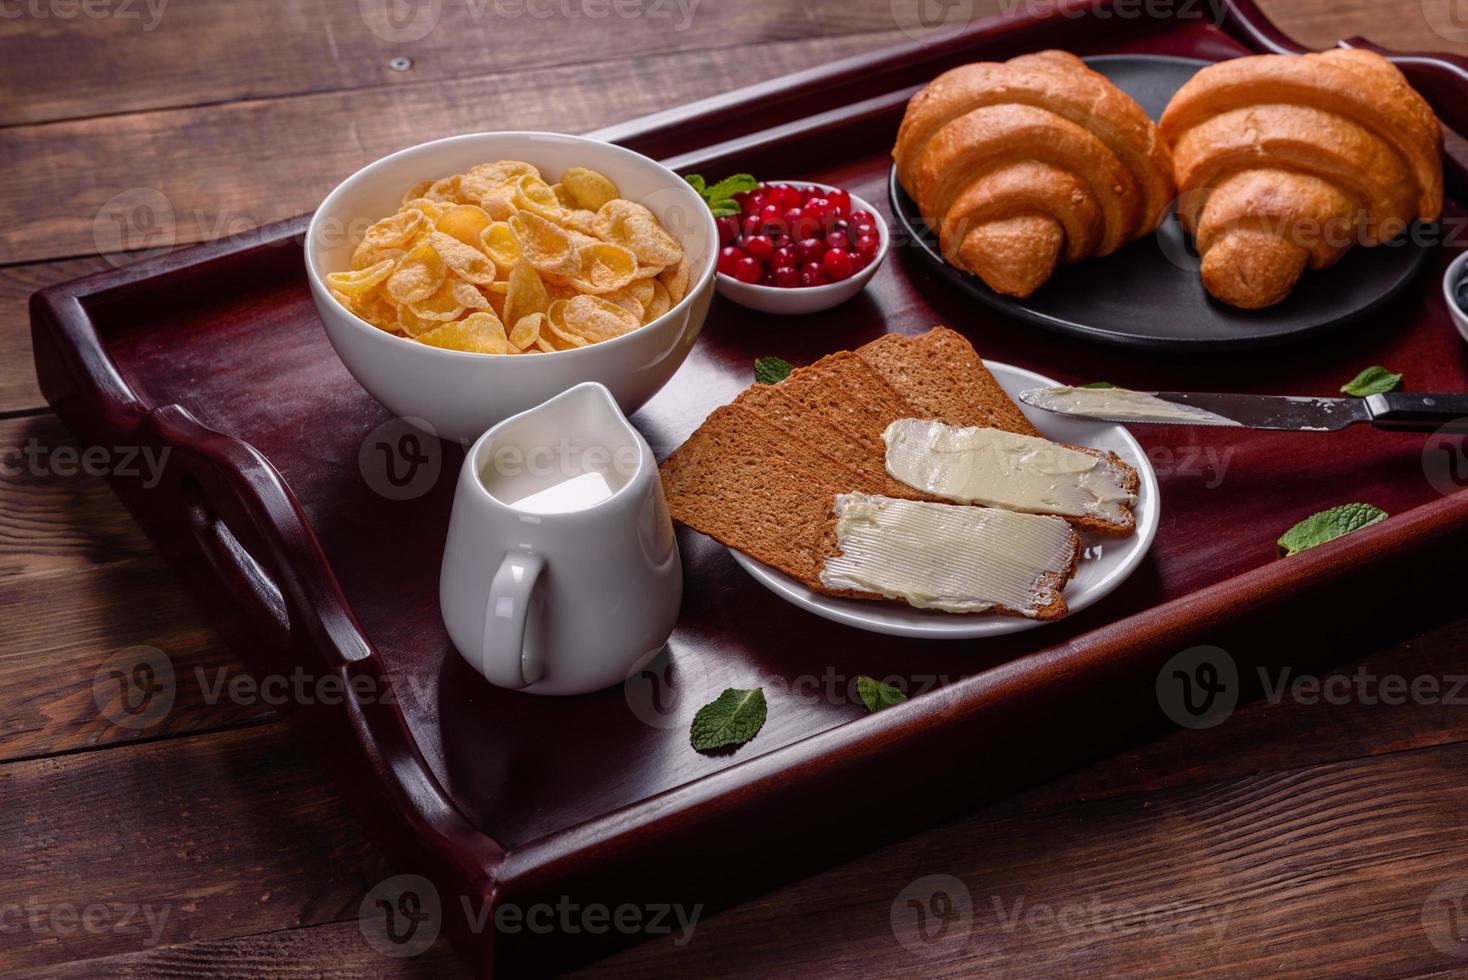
1286,162
1024,164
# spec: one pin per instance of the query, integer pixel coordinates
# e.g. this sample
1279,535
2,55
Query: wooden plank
88,603
327,952
242,163
1301,873
191,839
18,390
261,49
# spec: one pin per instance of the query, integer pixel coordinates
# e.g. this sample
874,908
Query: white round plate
1106,562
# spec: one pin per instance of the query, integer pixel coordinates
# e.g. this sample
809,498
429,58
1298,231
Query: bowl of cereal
468,279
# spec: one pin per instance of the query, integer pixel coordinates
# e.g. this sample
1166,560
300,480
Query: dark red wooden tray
216,353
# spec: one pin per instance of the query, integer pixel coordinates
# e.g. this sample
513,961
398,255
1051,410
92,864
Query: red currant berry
786,277
837,263
759,247
729,257
810,250
748,270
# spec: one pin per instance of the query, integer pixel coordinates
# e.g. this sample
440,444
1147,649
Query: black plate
1149,293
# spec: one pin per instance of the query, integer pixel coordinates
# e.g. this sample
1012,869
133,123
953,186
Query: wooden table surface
1305,838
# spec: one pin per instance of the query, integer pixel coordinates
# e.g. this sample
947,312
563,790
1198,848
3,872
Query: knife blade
1295,413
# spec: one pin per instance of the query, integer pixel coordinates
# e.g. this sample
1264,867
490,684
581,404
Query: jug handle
504,659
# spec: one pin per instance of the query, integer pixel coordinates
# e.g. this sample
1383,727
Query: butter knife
1400,411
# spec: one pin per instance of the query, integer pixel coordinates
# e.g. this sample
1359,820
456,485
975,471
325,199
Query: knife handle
1410,412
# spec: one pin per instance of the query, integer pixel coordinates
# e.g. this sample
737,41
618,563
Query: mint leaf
731,185
719,197
1375,380
877,695
1329,525
1099,384
732,719
771,370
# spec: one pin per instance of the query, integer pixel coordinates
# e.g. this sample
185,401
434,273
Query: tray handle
253,587
1245,21
254,537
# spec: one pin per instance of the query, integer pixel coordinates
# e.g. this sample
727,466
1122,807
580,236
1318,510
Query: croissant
1285,162
1021,165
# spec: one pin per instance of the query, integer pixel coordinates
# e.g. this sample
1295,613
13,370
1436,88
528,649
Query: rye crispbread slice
843,389
797,422
737,482
1049,588
1129,480
942,376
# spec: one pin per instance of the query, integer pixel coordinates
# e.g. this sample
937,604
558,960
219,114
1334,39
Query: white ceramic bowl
808,299
1457,273
460,395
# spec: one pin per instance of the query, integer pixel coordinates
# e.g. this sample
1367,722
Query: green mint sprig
1329,525
730,720
771,370
1375,380
876,694
720,196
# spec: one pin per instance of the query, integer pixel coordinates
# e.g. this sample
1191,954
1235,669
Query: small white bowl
458,394
807,299
1456,275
